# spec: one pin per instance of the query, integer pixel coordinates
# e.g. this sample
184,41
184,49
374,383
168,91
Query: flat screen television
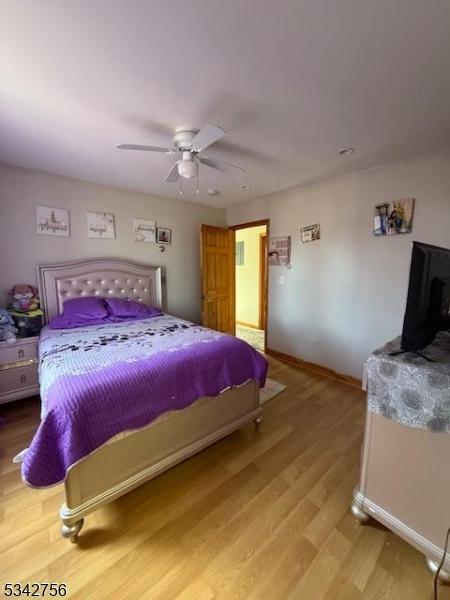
428,303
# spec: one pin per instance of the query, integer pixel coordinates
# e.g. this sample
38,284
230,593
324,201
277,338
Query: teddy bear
7,329
23,298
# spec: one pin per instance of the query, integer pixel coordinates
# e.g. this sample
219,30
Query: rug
254,337
270,390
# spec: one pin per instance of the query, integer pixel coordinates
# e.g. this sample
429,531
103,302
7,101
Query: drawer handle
21,353
23,378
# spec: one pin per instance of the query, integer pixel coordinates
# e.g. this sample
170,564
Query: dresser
18,369
404,480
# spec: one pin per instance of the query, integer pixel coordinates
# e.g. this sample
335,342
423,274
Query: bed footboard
133,458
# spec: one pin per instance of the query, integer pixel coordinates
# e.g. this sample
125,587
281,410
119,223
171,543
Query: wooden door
217,274
263,281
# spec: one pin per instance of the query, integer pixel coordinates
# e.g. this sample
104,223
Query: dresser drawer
19,378
10,353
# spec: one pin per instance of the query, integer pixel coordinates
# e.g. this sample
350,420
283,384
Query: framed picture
101,225
310,233
394,217
144,230
52,221
280,251
163,235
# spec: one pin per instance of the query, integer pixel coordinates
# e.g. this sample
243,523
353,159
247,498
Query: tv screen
428,303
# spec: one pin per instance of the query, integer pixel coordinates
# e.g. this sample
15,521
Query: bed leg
71,532
258,420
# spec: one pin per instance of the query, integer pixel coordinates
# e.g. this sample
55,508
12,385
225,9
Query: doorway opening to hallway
251,282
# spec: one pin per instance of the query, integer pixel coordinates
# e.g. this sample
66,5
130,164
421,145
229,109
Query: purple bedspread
99,381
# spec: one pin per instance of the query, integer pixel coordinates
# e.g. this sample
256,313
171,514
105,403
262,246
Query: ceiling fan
189,143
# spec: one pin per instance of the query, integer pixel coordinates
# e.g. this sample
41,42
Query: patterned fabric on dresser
409,389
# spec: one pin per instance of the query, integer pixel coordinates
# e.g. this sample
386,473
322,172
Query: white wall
21,248
247,276
348,290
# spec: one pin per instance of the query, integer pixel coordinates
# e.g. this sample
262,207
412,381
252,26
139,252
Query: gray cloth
409,389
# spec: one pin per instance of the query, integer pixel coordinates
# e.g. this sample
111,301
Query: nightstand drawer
18,378
10,353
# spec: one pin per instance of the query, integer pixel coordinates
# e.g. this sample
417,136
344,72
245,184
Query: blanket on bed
101,380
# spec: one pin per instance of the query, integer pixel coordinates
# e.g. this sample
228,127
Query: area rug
270,390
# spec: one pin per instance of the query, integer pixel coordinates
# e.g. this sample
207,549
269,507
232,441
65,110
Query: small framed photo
52,221
392,218
310,233
144,230
163,235
101,225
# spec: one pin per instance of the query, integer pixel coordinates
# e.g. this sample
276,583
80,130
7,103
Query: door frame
247,225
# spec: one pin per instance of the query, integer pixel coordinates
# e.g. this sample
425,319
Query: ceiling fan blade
173,175
146,148
219,164
207,135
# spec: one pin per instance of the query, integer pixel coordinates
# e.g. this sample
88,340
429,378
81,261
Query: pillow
89,307
130,308
77,312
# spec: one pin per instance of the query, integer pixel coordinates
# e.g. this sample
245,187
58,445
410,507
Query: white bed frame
134,457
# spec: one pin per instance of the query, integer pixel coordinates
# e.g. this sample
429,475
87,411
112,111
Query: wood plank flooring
263,514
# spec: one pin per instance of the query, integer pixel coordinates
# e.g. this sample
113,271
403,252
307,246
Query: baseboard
245,324
298,363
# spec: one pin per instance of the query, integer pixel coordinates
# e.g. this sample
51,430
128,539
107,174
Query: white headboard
108,277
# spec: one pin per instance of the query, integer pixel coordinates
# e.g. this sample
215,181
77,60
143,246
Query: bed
116,459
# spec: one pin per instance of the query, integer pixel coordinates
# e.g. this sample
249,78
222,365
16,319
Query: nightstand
18,369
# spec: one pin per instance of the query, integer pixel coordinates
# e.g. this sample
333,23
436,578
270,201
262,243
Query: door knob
204,297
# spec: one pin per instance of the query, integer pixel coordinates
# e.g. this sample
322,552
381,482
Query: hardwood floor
263,514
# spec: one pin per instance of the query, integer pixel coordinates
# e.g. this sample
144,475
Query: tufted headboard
114,277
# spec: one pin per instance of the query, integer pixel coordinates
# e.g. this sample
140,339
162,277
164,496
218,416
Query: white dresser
18,369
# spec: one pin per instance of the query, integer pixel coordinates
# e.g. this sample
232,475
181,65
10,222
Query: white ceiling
292,82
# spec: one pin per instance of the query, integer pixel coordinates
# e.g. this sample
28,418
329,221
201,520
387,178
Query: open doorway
251,282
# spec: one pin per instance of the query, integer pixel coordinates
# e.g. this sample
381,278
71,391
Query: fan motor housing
183,137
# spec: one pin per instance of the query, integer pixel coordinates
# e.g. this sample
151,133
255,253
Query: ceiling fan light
187,167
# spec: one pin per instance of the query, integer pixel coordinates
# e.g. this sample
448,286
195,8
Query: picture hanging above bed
144,230
52,221
101,225
394,217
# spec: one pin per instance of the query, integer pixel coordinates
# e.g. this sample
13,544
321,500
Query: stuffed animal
7,329
23,298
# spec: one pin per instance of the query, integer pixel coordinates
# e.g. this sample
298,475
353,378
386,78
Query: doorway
251,282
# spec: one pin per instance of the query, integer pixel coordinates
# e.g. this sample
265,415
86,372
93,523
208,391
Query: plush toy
7,329
23,298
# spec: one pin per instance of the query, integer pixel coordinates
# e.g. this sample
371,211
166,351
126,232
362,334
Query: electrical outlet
314,343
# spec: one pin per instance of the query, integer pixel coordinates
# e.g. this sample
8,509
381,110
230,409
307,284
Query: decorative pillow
89,307
130,308
78,312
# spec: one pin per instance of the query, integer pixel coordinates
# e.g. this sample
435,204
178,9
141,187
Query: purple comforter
102,380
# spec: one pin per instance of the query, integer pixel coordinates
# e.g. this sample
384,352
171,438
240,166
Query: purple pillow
77,312
89,307
130,308
62,322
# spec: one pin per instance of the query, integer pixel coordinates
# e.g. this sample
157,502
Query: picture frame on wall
144,230
163,235
51,220
101,225
280,251
310,233
392,218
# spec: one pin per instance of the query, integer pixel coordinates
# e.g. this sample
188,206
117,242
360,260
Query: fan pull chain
197,191
180,179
